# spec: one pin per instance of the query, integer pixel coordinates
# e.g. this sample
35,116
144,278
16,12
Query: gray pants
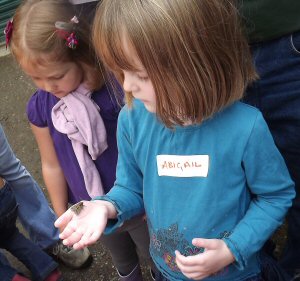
124,244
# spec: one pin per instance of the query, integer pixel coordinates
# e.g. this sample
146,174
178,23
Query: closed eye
142,77
57,77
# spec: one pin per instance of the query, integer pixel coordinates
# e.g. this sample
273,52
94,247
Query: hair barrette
74,20
72,41
66,31
8,32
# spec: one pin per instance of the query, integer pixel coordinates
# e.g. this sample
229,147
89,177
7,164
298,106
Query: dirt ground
15,90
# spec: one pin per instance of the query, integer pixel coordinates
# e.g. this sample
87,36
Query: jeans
277,95
35,259
34,212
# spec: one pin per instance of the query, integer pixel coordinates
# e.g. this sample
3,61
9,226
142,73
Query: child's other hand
215,257
86,227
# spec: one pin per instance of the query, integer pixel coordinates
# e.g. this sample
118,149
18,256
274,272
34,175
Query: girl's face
137,82
57,78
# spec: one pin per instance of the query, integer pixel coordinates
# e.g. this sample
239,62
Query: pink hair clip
72,41
8,32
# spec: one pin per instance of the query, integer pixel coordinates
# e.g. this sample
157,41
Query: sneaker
69,257
54,276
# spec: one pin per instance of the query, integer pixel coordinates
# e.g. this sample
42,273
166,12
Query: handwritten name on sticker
182,165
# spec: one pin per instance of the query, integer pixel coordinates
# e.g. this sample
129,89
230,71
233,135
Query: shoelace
61,247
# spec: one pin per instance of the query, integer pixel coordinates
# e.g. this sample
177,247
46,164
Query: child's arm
52,172
215,257
86,227
272,192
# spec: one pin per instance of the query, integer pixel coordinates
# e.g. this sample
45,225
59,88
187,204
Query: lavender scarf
77,116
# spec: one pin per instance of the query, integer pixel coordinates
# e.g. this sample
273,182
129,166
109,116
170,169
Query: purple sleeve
36,110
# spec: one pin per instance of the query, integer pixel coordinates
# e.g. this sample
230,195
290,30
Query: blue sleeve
272,189
127,193
11,168
36,109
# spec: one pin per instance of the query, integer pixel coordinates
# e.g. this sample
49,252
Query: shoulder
38,106
136,112
242,109
109,101
240,114
135,118
40,98
237,121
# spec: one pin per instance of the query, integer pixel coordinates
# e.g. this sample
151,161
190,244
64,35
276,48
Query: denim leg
7,272
34,212
277,95
36,260
36,216
31,255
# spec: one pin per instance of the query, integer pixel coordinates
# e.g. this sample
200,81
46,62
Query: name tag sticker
182,165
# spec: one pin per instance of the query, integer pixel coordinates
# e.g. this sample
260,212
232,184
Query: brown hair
193,51
36,40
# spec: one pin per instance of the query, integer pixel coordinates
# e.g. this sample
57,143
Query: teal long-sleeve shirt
222,179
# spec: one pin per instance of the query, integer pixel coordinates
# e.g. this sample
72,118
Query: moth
77,208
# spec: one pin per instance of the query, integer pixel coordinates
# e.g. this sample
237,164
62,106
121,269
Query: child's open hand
84,227
215,257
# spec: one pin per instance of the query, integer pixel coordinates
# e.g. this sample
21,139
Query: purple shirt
39,110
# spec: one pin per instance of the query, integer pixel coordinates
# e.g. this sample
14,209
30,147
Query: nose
49,86
128,83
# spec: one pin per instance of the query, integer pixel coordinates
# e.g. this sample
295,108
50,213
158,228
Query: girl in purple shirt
73,117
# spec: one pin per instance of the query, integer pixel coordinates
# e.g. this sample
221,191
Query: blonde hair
36,40
193,51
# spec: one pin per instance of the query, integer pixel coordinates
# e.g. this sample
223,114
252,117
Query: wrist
229,254
108,208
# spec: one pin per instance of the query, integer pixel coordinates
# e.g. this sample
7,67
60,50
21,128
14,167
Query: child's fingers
191,266
79,245
72,239
209,244
64,219
187,261
89,237
69,229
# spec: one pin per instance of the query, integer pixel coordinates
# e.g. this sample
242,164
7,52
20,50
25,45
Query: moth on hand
77,208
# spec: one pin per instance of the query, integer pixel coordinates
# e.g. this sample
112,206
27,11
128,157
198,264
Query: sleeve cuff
112,224
240,263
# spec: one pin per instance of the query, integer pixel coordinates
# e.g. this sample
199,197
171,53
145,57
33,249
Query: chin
60,95
150,108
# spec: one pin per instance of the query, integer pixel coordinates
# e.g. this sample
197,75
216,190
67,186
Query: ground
15,90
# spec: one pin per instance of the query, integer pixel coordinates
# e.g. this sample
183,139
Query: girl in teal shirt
203,165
